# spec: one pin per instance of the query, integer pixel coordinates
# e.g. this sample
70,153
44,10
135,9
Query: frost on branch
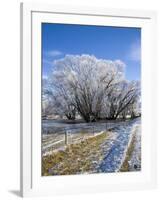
82,85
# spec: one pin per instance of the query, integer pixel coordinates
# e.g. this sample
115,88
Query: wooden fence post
66,138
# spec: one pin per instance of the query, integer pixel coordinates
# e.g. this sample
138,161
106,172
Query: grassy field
83,157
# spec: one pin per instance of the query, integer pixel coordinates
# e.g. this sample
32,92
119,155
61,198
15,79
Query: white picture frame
32,183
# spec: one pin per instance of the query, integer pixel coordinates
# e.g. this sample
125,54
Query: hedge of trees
91,88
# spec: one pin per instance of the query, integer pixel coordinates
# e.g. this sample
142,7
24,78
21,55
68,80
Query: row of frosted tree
91,88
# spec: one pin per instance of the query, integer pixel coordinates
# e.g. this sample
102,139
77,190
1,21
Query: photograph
90,99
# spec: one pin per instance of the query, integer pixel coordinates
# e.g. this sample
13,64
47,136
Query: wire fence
54,139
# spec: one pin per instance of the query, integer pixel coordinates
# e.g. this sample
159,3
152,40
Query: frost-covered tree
56,100
84,81
46,98
93,88
122,99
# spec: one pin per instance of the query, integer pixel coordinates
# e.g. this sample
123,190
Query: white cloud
135,51
45,77
45,61
54,53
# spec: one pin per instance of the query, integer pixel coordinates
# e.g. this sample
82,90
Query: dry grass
77,158
125,165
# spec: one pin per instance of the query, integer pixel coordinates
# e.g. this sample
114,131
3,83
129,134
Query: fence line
54,142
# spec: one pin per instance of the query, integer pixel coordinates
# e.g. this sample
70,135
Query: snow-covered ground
118,147
54,131
113,149
135,161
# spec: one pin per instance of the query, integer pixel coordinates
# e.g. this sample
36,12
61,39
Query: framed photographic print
87,94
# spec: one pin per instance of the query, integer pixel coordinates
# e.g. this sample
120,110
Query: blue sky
104,42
